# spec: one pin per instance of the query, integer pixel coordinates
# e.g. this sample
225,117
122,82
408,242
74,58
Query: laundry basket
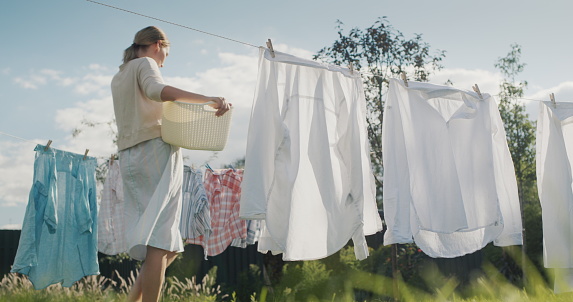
195,126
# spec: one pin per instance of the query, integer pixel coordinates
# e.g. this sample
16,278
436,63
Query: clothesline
222,37
23,139
35,143
173,23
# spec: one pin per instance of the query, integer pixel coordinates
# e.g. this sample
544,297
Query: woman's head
143,39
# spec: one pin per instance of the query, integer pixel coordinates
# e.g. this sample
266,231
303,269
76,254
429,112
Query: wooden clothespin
351,67
270,47
552,97
48,145
111,159
86,154
476,89
403,74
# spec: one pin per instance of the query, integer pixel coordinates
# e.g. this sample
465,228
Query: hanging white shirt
554,157
448,175
307,166
111,226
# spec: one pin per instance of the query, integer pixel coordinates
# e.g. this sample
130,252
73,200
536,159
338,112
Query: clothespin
86,154
48,145
111,159
552,97
351,67
403,74
231,166
208,167
476,89
270,47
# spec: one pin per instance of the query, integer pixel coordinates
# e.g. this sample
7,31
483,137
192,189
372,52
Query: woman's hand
221,105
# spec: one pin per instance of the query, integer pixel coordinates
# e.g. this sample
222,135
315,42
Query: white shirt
111,226
554,157
307,166
448,175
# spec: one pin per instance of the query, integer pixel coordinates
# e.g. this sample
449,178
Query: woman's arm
170,93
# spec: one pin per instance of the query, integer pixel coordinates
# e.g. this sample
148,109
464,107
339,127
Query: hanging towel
448,175
307,167
554,158
111,221
223,189
58,243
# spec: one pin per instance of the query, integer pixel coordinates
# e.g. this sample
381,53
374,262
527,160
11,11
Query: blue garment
58,243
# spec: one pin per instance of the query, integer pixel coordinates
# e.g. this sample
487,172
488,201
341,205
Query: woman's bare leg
147,286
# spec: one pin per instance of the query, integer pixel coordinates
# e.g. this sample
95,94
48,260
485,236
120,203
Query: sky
58,58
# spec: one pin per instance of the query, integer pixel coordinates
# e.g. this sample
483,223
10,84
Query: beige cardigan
136,91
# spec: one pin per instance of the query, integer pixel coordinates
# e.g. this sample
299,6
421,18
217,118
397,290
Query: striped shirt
253,234
195,215
223,188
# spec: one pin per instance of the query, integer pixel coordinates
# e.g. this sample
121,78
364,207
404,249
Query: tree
520,131
380,52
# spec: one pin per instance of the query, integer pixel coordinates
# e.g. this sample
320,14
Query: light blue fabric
58,243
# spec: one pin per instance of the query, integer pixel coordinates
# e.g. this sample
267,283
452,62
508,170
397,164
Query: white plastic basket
195,126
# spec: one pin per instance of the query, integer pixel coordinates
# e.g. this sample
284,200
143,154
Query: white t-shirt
448,175
554,159
307,167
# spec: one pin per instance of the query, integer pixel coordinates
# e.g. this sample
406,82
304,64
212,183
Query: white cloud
6,71
55,75
563,92
98,67
32,82
17,166
295,51
98,137
487,81
94,84
96,81
11,227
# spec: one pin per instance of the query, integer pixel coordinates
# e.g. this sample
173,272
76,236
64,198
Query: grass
308,281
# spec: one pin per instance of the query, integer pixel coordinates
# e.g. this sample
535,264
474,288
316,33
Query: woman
152,170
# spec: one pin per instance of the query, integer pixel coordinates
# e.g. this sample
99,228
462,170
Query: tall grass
312,281
17,288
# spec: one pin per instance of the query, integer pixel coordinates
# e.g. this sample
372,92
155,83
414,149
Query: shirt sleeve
50,212
39,198
396,191
506,183
150,79
266,133
82,206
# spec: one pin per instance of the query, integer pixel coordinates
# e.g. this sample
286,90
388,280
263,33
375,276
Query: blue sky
58,58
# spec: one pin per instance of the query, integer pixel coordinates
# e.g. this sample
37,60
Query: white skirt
152,173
